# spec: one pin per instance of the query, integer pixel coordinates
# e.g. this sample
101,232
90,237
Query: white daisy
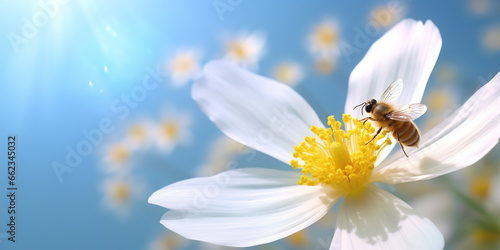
253,206
246,49
120,193
184,66
325,65
491,39
173,129
168,241
387,15
289,73
324,39
139,134
117,157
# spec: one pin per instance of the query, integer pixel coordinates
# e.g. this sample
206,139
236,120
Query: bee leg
364,120
401,144
378,132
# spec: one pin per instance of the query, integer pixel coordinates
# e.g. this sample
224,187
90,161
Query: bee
398,121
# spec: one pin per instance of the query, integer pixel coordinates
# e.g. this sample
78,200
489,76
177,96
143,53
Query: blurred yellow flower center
384,16
438,101
483,236
183,64
239,50
287,73
298,239
326,35
170,130
119,153
120,191
342,159
324,66
480,187
138,133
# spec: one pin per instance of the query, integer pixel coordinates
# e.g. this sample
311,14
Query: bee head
369,105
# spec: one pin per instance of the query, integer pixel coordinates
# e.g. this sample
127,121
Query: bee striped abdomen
408,134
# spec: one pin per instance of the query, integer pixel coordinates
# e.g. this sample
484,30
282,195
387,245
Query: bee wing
408,112
392,93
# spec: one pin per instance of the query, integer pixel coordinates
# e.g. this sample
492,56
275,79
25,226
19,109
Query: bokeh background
98,95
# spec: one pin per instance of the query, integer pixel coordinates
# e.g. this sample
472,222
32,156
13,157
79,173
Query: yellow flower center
239,50
298,239
120,191
183,64
119,153
342,159
138,133
480,187
170,130
326,35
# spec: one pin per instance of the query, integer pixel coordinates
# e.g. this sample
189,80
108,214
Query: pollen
341,158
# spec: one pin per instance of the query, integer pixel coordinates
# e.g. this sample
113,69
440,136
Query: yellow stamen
342,159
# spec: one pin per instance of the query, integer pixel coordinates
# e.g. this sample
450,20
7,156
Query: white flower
491,39
184,66
324,40
387,15
254,206
120,192
139,134
173,129
117,157
246,49
289,73
168,241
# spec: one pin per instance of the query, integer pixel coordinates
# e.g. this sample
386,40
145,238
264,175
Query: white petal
379,220
457,142
408,51
243,207
256,111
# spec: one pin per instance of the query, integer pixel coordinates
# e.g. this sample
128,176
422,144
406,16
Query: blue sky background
46,100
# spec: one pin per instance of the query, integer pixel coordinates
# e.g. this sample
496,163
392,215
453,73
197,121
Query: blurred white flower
440,104
246,49
184,66
289,73
324,40
446,73
253,206
325,65
120,193
491,39
168,241
117,157
173,129
387,15
480,7
139,135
